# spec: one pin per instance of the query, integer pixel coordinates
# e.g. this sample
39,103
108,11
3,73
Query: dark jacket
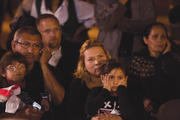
155,78
75,100
100,100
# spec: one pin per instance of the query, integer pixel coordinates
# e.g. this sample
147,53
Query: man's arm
51,84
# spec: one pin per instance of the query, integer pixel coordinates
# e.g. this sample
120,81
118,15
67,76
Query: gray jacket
111,21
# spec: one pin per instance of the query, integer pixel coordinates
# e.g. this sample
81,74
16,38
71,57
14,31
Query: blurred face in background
94,58
51,33
28,45
15,72
157,40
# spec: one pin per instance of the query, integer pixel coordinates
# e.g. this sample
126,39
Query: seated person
12,70
92,57
154,72
27,42
112,97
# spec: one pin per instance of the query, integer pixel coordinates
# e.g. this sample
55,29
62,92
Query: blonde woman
92,57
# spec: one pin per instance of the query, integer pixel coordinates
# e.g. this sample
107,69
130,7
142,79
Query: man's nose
160,39
52,33
30,49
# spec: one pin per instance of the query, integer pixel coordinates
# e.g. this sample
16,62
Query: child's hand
123,82
107,84
3,99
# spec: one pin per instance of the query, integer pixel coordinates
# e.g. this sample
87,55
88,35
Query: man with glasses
27,41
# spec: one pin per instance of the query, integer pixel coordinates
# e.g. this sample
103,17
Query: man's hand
45,56
147,105
123,2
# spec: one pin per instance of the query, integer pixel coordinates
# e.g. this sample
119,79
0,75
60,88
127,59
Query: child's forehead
16,62
117,70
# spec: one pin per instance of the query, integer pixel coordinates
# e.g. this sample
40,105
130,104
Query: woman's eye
163,37
155,36
91,59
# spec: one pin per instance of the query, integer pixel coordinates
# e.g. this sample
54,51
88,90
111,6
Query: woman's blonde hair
81,71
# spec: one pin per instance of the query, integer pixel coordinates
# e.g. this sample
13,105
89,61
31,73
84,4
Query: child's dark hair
8,58
112,64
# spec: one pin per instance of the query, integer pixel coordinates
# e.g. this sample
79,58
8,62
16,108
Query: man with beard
27,41
50,29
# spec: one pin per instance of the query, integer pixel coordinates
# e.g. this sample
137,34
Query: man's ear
145,40
13,46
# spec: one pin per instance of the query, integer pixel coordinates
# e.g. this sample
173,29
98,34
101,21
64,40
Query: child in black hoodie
112,97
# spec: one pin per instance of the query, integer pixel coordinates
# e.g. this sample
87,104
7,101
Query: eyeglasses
14,68
27,45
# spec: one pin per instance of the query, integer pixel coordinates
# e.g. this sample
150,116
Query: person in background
92,57
154,71
121,22
51,32
74,16
112,97
27,41
14,98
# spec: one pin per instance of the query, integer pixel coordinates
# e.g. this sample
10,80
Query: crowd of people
56,68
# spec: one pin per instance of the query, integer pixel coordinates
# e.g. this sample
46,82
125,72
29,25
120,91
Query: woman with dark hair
154,72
